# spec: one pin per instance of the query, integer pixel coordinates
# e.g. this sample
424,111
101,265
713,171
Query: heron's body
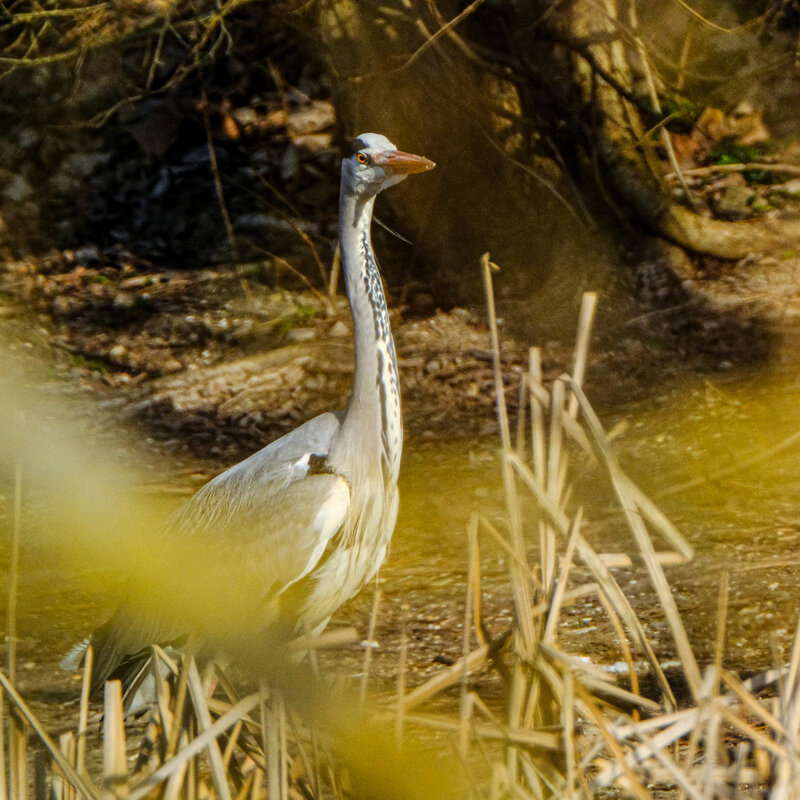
309,517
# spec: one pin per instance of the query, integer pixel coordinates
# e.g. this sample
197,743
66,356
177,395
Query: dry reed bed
570,730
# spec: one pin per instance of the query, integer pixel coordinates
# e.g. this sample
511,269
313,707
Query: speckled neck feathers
373,417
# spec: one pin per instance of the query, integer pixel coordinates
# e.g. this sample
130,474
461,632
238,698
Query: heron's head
376,164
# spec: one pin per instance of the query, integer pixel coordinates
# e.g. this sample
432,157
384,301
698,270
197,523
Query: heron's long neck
374,412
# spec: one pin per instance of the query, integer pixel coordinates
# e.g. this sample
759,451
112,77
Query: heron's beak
396,162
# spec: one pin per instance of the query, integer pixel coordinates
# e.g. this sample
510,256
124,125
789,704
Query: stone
339,329
734,202
17,189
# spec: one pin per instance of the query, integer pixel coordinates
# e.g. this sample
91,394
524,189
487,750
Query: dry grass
568,730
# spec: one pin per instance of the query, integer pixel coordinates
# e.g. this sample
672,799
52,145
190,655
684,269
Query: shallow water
711,451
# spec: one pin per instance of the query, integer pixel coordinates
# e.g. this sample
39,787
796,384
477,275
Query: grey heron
310,515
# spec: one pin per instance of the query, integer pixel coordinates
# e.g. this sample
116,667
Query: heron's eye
362,159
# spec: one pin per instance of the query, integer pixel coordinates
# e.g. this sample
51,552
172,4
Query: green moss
680,112
728,151
296,320
93,364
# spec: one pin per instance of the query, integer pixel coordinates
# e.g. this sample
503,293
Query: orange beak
396,162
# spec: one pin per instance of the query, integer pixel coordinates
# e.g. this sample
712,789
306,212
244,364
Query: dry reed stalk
707,728
535,778
622,484
572,428
17,768
667,558
464,724
675,772
203,717
81,783
13,571
515,709
373,623
336,637
568,727
535,739
596,680
581,350
115,760
557,462
602,575
537,412
522,402
311,770
230,746
3,777
548,635
646,506
552,487
177,780
165,714
247,786
526,640
475,580
268,784
507,548
333,278
548,485
180,700
83,710
634,785
520,586
470,603
445,678
747,699
18,760
200,743
66,743
622,641
400,706
661,741
746,729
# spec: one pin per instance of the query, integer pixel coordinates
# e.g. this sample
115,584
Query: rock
311,118
731,179
301,334
171,365
289,164
88,255
123,301
315,142
339,329
61,305
734,202
199,155
17,189
789,189
27,137
82,165
118,353
245,117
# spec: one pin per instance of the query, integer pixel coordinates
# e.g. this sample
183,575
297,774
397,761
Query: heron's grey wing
267,518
